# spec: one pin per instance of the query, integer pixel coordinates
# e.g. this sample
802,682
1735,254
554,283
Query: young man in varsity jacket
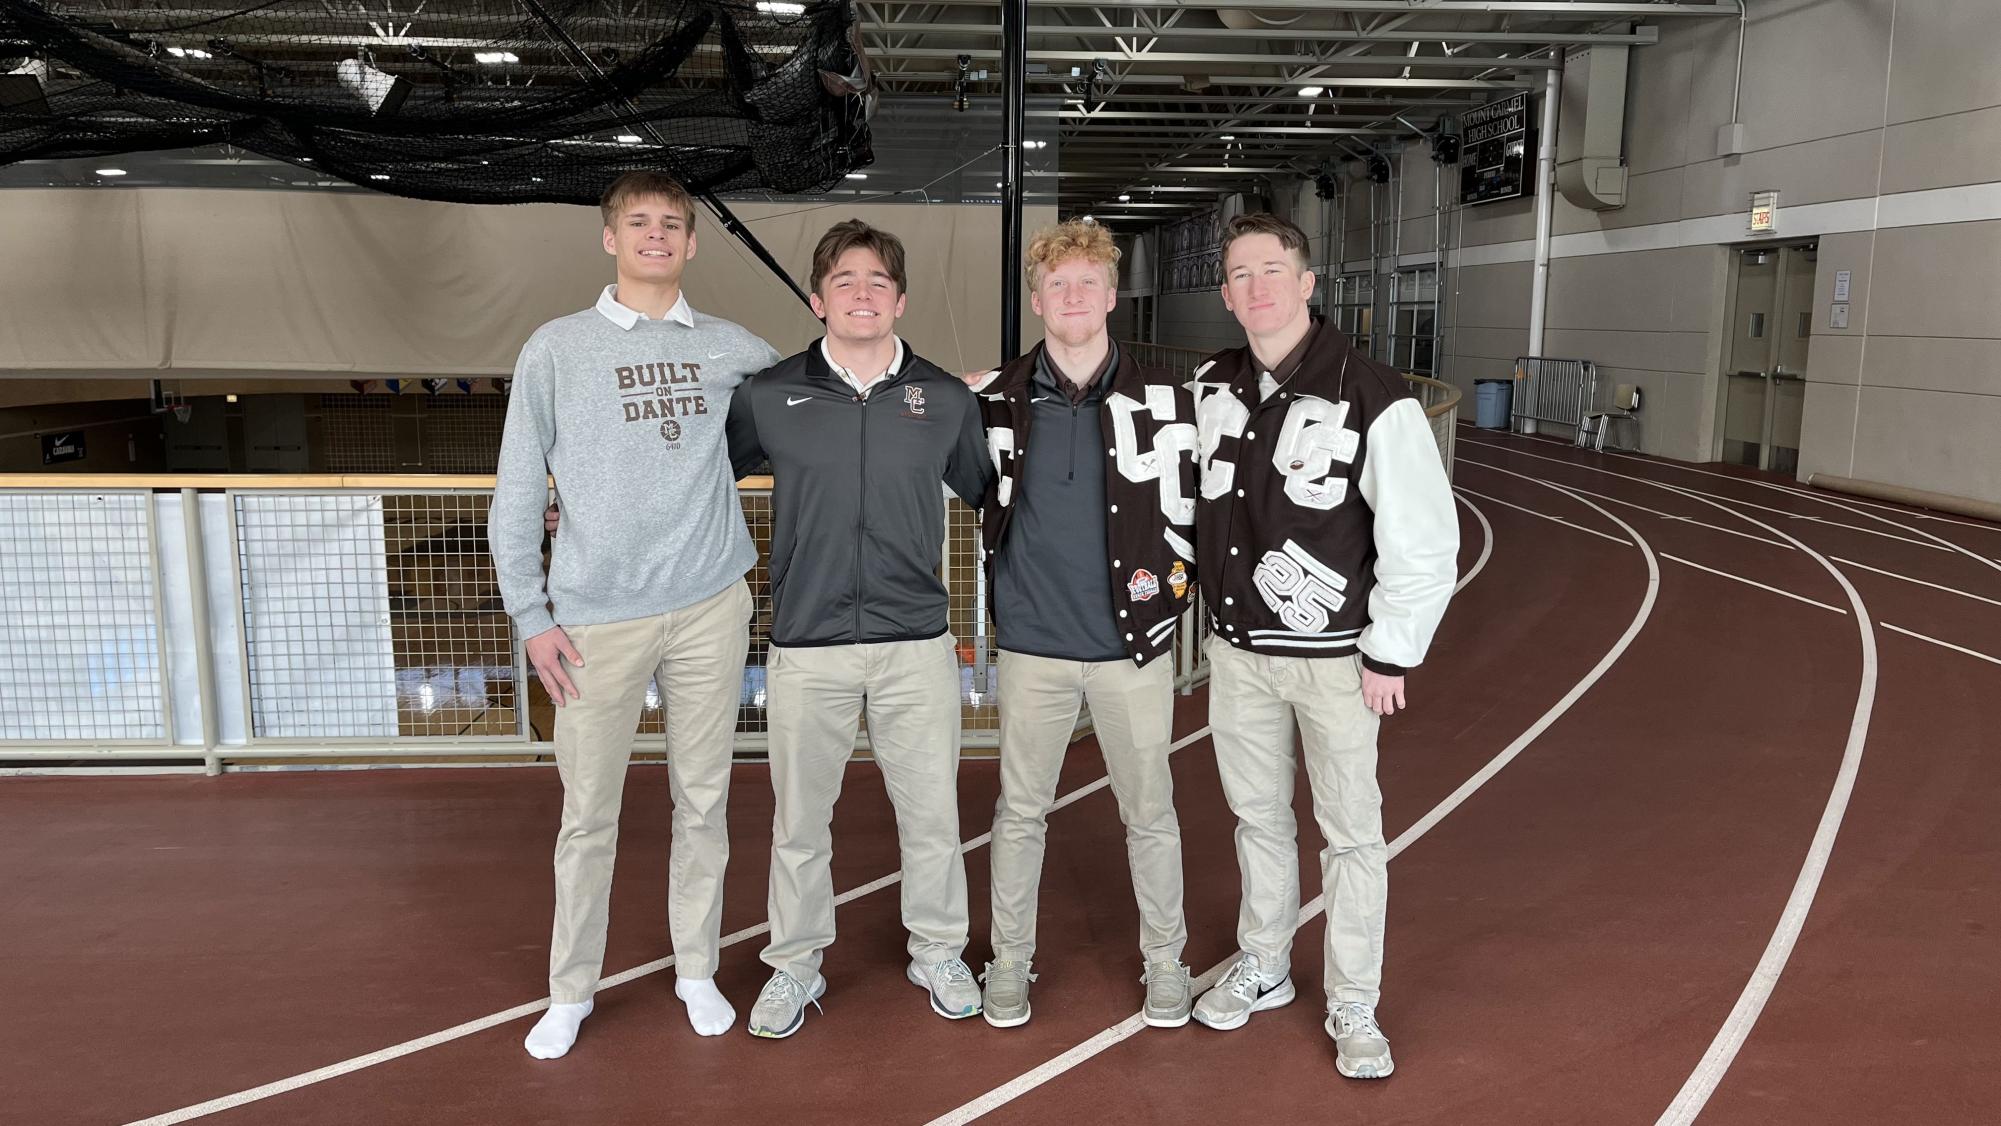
1328,545
1088,548
859,433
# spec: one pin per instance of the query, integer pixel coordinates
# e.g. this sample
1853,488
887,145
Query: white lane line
1814,495
1125,1029
1542,515
1945,644
1729,1040
1920,582
1486,543
1752,582
494,1020
1941,545
1796,490
1630,504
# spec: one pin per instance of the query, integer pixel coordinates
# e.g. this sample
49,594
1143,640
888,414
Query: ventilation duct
1590,161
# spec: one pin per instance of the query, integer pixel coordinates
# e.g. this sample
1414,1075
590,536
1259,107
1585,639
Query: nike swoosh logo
717,355
1038,398
792,402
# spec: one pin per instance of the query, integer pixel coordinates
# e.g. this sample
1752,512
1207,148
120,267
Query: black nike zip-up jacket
857,511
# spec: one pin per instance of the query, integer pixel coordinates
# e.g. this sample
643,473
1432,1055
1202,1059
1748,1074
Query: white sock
707,1010
557,1030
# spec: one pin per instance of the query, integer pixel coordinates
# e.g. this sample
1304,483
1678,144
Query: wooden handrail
357,482
1449,395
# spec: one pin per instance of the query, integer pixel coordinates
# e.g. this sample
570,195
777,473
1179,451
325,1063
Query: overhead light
189,53
1125,199
857,175
1312,91
781,7
305,160
111,172
1229,137
628,138
379,90
495,57
535,179
1089,219
378,175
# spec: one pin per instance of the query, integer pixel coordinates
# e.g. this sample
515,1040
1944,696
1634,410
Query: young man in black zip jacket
1088,547
1328,545
859,433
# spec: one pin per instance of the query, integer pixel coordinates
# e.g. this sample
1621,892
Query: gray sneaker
781,1006
1005,1003
954,993
1244,990
1168,994
1361,1051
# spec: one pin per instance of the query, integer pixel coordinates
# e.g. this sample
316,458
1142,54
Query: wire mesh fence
79,622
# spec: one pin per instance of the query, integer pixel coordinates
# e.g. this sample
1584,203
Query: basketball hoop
182,411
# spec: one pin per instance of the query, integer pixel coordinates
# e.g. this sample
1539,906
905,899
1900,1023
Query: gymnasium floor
1696,811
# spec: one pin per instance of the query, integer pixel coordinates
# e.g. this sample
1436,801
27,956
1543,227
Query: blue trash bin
1492,400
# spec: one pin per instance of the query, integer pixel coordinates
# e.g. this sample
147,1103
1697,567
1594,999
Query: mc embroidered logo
913,400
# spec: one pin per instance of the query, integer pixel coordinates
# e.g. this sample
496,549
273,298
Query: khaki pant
1254,700
1133,712
696,654
816,696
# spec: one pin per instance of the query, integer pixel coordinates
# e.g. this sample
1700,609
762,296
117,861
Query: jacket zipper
861,513
1073,442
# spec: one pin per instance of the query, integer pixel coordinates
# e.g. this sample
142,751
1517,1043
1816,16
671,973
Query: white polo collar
625,317
853,380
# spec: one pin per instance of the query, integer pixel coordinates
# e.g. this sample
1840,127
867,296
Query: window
1414,339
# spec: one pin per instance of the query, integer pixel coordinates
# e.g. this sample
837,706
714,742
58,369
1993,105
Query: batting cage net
471,101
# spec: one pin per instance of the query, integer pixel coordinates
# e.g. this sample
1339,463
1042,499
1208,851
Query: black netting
477,101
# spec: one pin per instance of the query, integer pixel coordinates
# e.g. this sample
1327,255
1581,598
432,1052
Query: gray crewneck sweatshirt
627,414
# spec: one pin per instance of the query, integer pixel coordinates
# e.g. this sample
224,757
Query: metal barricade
1554,391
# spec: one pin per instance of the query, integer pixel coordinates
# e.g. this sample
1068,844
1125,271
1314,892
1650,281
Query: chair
1625,406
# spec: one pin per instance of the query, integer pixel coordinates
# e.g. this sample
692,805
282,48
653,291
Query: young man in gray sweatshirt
625,405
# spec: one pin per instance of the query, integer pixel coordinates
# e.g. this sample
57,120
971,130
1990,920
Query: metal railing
1554,391
1440,399
232,617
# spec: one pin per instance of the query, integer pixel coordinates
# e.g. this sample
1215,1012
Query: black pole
1014,86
